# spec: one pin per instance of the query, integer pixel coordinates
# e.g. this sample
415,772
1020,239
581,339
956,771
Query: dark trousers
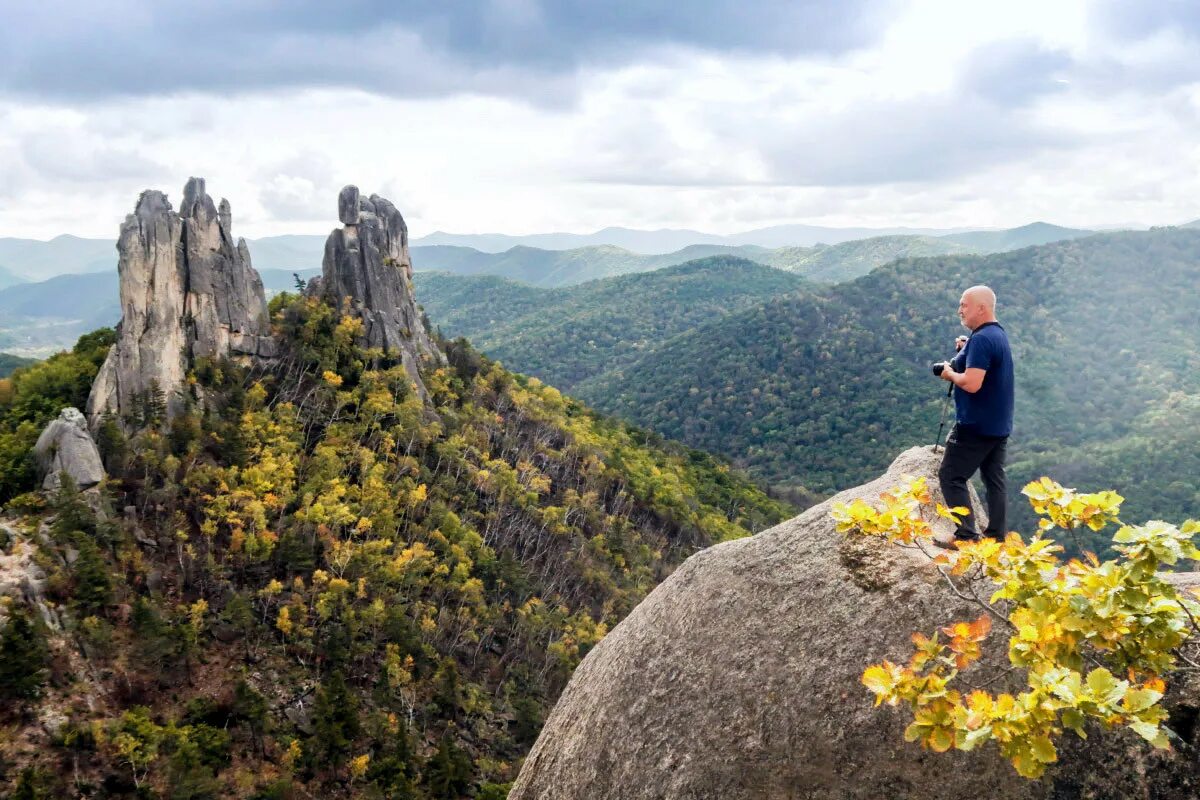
967,452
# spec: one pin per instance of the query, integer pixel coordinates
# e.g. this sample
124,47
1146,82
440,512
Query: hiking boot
952,542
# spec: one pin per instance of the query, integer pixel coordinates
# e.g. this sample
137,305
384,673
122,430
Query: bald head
977,306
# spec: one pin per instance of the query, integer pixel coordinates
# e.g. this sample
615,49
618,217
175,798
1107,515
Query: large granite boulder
65,446
368,269
739,677
187,290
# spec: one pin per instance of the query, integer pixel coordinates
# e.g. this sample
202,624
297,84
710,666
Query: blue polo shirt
988,412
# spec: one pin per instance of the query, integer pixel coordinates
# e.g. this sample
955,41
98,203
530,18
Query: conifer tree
335,720
448,771
24,655
93,588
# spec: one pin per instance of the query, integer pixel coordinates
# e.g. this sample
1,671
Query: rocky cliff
187,290
739,677
368,268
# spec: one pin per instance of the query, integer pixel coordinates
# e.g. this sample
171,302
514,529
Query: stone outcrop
21,577
65,446
187,290
739,677
367,265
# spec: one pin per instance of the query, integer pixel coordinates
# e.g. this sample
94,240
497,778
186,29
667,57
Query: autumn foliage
1095,640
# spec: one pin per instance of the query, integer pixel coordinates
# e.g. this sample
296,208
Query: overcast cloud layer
520,116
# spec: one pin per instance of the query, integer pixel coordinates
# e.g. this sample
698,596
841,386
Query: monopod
937,370
942,424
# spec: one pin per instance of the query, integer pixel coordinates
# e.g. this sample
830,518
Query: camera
937,367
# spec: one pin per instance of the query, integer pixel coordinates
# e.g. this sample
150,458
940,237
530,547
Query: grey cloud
1150,46
300,187
906,142
76,156
1129,20
977,125
102,48
1015,71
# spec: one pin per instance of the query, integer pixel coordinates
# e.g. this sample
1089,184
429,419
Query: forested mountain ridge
559,268
848,260
329,578
567,335
9,362
1035,233
818,388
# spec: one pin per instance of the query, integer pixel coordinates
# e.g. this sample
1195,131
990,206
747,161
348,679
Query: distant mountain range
39,318
35,260
553,268
1015,238
618,253
9,278
668,241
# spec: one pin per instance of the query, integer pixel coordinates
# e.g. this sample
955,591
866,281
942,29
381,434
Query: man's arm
969,367
970,380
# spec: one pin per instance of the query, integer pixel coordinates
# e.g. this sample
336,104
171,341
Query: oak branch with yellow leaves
1094,639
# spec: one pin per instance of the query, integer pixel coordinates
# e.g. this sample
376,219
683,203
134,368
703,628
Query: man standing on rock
982,374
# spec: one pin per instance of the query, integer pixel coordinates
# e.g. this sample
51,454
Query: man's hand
947,372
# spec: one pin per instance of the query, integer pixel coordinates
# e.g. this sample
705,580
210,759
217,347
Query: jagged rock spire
187,290
367,264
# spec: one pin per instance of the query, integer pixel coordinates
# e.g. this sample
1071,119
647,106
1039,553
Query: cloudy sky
523,116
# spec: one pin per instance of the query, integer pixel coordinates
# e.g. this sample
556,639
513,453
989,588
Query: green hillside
331,589
1035,233
567,335
470,305
822,387
9,362
848,260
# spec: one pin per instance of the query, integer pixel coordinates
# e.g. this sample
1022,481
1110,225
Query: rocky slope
738,677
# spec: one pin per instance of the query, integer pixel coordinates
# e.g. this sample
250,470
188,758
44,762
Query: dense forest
567,335
823,387
313,584
818,388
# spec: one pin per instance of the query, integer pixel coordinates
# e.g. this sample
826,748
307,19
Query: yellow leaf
1043,749
940,740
